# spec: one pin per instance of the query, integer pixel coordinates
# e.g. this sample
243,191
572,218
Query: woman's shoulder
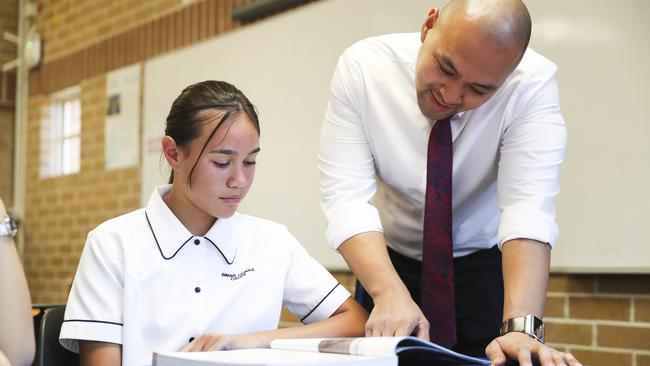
123,223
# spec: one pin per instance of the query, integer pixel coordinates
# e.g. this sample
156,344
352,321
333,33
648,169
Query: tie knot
441,133
444,121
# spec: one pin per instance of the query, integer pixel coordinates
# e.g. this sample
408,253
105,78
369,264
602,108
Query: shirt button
190,340
197,289
197,241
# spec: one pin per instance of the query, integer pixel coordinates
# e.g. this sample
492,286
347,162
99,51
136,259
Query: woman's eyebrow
232,152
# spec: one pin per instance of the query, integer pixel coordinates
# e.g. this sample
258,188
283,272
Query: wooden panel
155,40
203,20
212,17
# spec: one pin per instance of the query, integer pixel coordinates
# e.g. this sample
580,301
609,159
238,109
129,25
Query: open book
378,351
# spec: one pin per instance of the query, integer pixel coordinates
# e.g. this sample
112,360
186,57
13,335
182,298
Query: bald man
471,63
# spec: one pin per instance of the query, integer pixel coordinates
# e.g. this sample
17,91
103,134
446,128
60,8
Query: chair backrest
48,350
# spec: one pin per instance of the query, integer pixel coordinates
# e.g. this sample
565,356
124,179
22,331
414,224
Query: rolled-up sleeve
347,172
531,153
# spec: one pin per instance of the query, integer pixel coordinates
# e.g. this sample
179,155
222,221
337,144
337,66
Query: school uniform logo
237,276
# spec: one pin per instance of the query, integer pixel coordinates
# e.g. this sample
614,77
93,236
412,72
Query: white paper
121,132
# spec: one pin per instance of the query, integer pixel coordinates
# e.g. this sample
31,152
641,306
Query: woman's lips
233,200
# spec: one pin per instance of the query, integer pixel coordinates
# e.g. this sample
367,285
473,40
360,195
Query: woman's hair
187,116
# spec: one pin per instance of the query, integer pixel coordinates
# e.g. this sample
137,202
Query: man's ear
170,150
429,22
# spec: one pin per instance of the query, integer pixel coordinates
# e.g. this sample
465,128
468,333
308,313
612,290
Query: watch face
538,328
9,227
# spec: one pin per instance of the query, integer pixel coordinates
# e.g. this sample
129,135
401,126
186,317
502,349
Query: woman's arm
17,330
347,321
93,353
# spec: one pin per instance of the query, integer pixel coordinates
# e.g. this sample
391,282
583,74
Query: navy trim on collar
185,242
158,244
220,252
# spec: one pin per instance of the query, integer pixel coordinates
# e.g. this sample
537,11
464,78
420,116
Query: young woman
187,272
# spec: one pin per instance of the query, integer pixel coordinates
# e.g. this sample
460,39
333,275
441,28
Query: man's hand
523,348
396,315
218,342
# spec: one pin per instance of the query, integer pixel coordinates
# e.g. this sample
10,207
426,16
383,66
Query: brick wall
8,22
71,25
60,211
6,154
602,319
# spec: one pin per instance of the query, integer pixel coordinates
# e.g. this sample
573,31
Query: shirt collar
172,236
458,123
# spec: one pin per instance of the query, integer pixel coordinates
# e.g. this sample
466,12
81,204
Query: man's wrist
528,324
388,289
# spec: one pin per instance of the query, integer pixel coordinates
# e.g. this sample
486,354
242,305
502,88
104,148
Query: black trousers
479,295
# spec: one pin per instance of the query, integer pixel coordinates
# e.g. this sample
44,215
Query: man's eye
478,92
446,72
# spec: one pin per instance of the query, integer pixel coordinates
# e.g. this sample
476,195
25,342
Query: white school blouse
145,282
373,154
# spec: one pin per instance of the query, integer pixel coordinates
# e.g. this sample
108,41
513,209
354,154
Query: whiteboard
603,53
284,65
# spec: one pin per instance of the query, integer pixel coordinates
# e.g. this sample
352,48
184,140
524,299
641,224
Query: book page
264,356
368,346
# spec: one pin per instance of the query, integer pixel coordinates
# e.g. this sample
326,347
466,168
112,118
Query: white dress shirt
145,282
373,155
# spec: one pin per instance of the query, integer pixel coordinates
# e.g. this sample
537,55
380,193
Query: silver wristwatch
8,227
529,324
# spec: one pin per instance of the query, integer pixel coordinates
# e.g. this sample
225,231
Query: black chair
48,350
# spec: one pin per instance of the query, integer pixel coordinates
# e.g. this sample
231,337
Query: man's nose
451,93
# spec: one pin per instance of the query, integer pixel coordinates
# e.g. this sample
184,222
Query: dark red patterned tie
437,295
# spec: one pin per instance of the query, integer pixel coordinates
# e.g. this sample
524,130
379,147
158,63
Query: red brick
554,307
571,283
602,358
599,308
624,284
642,310
624,337
642,360
568,333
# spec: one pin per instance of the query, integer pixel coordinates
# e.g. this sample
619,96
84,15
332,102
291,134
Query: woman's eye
250,162
220,165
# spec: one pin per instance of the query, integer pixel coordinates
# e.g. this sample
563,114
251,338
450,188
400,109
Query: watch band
529,324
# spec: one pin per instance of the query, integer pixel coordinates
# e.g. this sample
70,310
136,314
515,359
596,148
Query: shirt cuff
87,330
348,220
527,223
328,305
